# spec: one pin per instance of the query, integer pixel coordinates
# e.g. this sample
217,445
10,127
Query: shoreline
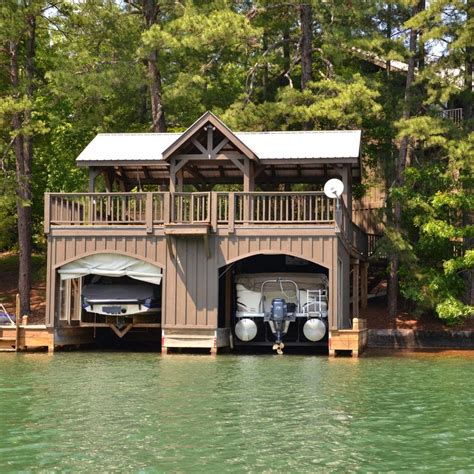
415,339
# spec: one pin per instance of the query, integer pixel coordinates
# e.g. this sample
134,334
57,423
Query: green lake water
141,412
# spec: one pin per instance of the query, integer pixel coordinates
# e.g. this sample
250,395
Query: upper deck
198,213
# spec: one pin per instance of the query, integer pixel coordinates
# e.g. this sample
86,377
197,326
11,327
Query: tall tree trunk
265,68
467,96
151,10
23,148
400,172
283,80
468,69
306,20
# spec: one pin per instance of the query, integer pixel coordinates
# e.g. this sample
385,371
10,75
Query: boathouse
186,213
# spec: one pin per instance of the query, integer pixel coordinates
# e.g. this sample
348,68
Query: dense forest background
72,69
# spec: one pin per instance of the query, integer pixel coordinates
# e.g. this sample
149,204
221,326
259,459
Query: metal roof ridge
298,132
139,133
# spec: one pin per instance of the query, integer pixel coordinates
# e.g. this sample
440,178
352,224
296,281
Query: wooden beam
179,181
93,173
169,244
192,170
355,289
198,145
228,298
364,285
237,163
225,155
109,178
219,146
117,331
210,132
124,180
249,181
178,164
146,173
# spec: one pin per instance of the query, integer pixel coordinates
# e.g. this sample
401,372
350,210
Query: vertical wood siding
190,279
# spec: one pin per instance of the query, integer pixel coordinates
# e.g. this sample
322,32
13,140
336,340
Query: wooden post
172,185
364,285
109,179
47,212
346,175
355,289
249,181
149,212
167,208
249,186
180,181
93,173
228,298
231,217
212,199
17,322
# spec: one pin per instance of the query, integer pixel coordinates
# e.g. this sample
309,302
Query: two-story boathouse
192,245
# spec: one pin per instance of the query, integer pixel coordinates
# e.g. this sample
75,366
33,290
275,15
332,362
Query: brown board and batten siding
190,271
67,245
192,277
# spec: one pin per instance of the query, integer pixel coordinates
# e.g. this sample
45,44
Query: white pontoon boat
280,300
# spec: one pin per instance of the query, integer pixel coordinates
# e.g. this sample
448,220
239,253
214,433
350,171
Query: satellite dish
334,188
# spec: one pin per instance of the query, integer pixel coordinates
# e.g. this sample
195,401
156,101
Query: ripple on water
139,412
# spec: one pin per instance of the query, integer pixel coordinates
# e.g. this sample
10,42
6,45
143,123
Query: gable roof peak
204,119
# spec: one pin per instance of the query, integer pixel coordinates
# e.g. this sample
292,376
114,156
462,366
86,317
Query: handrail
283,208
190,208
104,208
217,209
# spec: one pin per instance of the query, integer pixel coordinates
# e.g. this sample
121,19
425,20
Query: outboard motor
279,312
279,319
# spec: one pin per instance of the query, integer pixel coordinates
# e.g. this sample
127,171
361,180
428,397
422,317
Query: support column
346,175
249,186
109,178
93,173
249,176
355,289
364,285
228,298
180,181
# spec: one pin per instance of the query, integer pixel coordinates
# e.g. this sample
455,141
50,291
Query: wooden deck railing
216,209
456,115
97,209
190,208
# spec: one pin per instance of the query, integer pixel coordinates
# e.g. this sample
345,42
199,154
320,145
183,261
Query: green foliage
8,233
453,311
241,59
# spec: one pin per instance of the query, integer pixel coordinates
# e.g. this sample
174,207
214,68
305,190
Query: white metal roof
281,145
122,147
127,147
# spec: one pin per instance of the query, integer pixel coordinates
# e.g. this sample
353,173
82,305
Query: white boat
280,299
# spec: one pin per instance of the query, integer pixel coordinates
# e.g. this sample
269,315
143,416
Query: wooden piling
17,322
